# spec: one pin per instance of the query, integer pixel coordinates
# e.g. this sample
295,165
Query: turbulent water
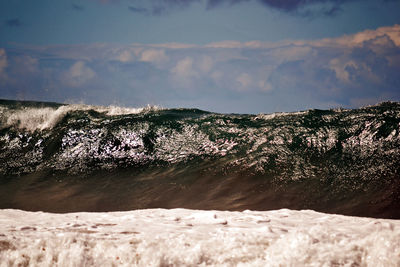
181,237
66,158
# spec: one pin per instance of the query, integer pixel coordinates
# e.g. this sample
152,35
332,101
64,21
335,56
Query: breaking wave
91,158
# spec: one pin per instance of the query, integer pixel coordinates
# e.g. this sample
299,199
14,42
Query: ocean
85,185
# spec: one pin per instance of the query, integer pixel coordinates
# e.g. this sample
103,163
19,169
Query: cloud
184,68
184,73
299,7
153,56
154,11
140,10
292,52
226,44
227,76
291,5
244,80
78,74
218,3
341,66
305,8
175,45
15,22
206,63
333,11
344,73
392,32
125,56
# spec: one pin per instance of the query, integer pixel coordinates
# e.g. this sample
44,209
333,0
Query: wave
90,158
44,117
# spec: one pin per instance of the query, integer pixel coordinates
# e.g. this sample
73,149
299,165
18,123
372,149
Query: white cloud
183,73
216,76
250,44
245,81
335,70
206,63
340,66
264,85
290,53
351,70
78,74
225,44
174,45
357,39
184,68
154,56
393,32
125,56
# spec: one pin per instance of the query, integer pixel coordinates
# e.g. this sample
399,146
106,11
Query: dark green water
66,158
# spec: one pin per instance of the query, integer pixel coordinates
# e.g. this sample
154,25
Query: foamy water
32,119
182,237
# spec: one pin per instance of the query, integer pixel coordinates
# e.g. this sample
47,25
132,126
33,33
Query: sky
230,56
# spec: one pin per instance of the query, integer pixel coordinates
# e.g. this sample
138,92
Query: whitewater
86,185
182,237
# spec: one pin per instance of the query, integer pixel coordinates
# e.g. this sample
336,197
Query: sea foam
182,237
40,118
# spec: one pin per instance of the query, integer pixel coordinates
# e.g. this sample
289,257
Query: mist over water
65,158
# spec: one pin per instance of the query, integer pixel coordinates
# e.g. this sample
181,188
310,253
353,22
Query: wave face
85,158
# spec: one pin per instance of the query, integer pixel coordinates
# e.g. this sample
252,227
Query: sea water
86,185
182,237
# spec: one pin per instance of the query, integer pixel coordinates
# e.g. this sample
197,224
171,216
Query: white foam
32,119
116,110
181,237
278,115
36,118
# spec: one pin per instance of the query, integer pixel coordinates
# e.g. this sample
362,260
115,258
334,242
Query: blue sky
244,56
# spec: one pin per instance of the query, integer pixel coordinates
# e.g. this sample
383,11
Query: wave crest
41,118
